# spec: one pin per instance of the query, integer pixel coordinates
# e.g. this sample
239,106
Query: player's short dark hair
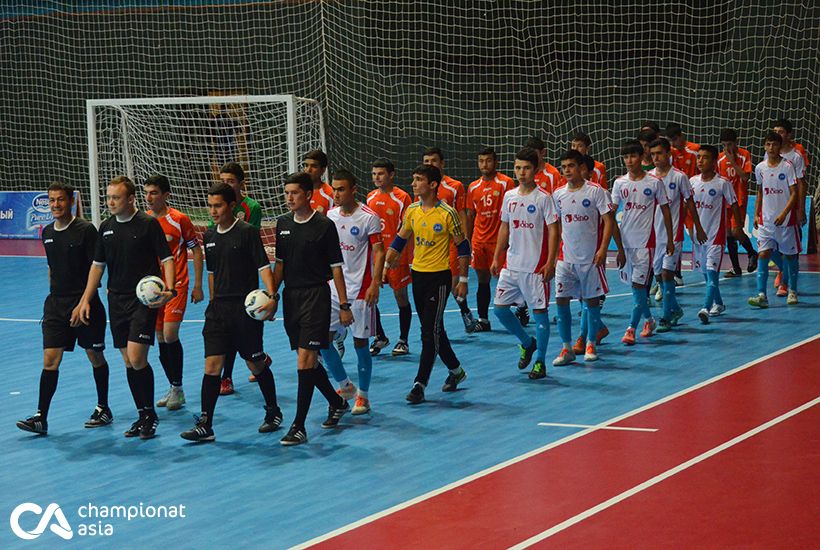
302,179
661,142
60,185
234,169
785,124
711,149
774,136
318,155
535,143
158,180
632,147
223,190
488,151
130,188
648,135
574,155
384,163
582,137
728,134
528,154
343,174
673,130
430,151
432,173
589,162
651,124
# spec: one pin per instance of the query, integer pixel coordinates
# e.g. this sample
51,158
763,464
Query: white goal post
188,139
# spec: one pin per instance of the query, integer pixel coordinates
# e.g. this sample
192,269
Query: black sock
482,297
134,386
731,244
405,316
462,305
165,359
210,393
174,371
322,383
227,368
101,380
379,328
746,243
303,397
267,386
48,385
145,385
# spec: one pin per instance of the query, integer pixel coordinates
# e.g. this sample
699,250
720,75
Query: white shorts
663,261
516,287
638,264
784,239
706,257
364,319
581,281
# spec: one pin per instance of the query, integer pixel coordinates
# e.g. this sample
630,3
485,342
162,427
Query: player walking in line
69,243
582,143
132,246
181,237
529,235
390,203
484,198
712,195
434,225
776,218
735,165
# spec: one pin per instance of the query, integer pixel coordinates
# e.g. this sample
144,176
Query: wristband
174,292
398,244
463,279
345,306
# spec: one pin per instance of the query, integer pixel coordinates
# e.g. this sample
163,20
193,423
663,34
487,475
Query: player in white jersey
679,193
529,233
640,193
712,194
360,238
580,271
776,218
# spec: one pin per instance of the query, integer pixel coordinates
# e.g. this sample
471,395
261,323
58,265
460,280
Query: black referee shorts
57,329
228,328
306,313
130,320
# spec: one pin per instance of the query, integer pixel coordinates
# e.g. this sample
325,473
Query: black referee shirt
307,250
69,252
131,250
235,259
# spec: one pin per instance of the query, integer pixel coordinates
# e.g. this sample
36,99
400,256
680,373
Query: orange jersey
686,160
390,207
180,234
598,175
802,150
725,169
549,178
322,199
452,192
485,199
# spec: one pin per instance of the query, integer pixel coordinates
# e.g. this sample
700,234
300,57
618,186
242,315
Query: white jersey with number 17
528,216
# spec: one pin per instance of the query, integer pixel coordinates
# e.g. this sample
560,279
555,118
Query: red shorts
483,254
174,310
399,276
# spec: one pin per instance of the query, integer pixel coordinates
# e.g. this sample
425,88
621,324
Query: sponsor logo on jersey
420,241
704,205
773,191
531,209
48,241
586,203
347,247
522,224
109,232
285,232
210,245
636,206
569,218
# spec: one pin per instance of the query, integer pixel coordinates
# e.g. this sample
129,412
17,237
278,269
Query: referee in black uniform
69,243
132,245
308,255
235,258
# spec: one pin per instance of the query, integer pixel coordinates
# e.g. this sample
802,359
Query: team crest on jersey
647,192
354,230
437,228
240,215
586,203
169,238
496,193
390,212
781,177
712,192
531,209
673,185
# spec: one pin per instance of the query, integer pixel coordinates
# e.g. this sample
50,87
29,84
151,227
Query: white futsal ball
254,300
149,289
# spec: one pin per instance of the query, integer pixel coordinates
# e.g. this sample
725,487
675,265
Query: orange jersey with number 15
485,198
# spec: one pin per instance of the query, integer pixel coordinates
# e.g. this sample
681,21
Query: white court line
430,494
660,477
597,427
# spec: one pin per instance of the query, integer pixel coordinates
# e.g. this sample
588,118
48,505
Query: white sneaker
792,299
348,392
163,401
566,357
678,281
703,315
659,294
717,309
176,399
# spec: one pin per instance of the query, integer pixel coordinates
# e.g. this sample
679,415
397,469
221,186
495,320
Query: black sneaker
482,325
526,354
523,315
453,380
273,419
732,273
149,426
664,325
752,267
334,414
295,436
134,430
539,370
201,432
378,345
102,416
35,424
416,394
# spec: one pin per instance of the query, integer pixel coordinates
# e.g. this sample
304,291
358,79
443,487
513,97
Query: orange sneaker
648,328
348,391
778,279
629,337
782,290
251,378
591,354
602,333
566,357
580,344
226,386
362,405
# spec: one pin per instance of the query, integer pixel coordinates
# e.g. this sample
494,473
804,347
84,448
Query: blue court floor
246,490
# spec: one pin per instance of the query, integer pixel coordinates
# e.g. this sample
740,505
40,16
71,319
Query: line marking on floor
597,427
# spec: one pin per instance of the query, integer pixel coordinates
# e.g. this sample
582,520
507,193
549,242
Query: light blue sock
777,258
365,367
333,362
709,299
715,277
668,299
638,300
594,321
584,320
793,264
762,275
542,334
512,324
564,324
647,313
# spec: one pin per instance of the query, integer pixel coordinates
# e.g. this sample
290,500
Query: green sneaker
539,370
677,315
526,354
453,380
663,326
